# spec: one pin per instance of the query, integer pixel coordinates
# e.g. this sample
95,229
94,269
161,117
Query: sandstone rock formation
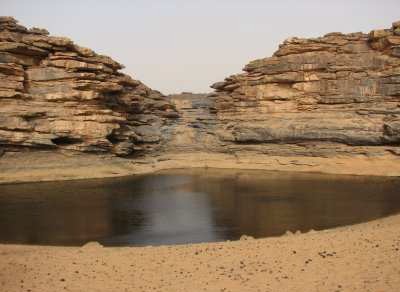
328,104
195,128
55,94
336,94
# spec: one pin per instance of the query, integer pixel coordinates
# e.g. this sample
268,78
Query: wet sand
58,166
364,257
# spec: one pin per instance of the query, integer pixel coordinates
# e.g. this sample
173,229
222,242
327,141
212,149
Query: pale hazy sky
178,45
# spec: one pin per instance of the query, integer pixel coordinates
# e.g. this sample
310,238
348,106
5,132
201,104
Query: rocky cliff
55,94
328,104
336,94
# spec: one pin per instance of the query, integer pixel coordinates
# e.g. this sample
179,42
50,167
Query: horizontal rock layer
195,128
314,99
55,94
336,94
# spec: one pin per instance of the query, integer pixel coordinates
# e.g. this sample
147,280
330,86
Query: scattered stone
92,245
246,237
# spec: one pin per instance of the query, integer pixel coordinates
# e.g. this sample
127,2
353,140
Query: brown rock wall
56,94
337,91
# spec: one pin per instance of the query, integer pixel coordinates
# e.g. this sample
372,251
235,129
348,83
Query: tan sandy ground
56,166
364,257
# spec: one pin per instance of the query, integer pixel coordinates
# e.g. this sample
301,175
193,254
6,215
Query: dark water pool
189,206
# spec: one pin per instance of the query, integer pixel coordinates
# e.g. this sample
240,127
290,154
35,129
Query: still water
187,206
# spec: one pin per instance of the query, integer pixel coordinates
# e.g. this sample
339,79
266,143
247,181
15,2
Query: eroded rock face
336,94
55,94
195,128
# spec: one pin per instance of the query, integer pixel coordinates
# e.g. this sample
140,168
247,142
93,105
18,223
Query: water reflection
189,206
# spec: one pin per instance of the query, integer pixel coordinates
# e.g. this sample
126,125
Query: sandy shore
364,257
56,166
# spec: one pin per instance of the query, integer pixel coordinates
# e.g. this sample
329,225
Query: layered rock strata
55,94
195,128
332,95
328,104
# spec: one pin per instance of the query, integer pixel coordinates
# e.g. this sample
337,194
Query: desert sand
363,257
